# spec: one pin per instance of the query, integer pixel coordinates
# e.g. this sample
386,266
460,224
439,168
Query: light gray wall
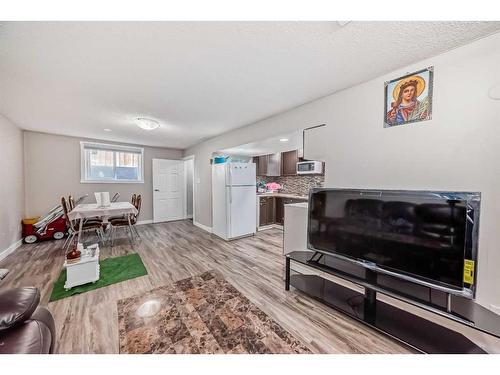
459,149
11,183
53,169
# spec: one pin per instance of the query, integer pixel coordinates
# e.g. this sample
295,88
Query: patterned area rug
202,314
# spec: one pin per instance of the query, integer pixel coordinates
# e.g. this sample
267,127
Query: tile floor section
201,314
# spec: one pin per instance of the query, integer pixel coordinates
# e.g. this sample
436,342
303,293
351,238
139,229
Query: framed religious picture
408,99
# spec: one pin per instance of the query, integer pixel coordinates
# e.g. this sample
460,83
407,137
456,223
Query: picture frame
408,99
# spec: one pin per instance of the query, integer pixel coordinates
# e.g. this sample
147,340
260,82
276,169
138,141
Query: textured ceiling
199,79
269,145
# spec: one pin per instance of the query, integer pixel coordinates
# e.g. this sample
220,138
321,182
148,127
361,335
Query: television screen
424,235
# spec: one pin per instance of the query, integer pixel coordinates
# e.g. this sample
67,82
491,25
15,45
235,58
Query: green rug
112,271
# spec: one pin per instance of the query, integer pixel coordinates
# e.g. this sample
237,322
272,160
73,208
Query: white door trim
194,186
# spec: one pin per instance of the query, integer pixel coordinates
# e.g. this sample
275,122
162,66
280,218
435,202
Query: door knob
157,189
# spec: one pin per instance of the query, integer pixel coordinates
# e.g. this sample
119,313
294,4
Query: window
111,163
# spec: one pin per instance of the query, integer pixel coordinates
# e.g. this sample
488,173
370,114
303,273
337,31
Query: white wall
11,185
459,149
53,169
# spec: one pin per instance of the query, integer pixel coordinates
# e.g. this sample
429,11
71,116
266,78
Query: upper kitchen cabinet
268,165
261,164
274,164
314,143
289,161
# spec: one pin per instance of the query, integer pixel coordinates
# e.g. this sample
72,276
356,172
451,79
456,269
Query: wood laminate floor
88,323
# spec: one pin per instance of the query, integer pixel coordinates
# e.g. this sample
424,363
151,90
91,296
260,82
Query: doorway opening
189,182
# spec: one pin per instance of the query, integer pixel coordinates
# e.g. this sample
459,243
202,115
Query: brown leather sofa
25,327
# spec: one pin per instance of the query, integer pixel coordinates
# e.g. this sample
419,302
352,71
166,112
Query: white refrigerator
234,200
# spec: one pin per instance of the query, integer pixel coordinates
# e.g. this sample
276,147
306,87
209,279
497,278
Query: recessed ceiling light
147,123
283,139
107,130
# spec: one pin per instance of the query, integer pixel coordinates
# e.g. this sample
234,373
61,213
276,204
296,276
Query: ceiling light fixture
107,130
147,123
343,23
283,139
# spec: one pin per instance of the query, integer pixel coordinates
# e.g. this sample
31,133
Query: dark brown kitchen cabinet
280,211
270,210
274,165
261,164
262,211
289,161
266,211
278,164
280,208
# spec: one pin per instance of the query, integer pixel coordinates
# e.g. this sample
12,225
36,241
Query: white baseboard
189,216
204,227
142,222
264,227
270,226
10,249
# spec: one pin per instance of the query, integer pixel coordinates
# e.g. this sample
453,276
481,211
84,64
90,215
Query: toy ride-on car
56,229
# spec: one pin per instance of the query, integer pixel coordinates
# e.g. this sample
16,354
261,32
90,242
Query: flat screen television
427,237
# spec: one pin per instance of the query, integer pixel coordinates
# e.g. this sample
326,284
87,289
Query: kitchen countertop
300,205
283,195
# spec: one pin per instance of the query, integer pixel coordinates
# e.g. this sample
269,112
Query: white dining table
84,211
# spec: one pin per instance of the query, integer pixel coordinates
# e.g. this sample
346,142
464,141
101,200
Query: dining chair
116,217
71,203
74,229
124,221
71,206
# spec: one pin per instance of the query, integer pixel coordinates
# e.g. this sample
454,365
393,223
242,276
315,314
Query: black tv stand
316,257
412,330
370,300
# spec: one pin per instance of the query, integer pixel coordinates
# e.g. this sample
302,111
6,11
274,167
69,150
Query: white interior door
169,190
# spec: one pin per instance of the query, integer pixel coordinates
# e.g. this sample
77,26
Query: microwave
309,167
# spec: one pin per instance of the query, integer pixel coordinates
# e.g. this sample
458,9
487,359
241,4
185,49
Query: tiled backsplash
299,185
